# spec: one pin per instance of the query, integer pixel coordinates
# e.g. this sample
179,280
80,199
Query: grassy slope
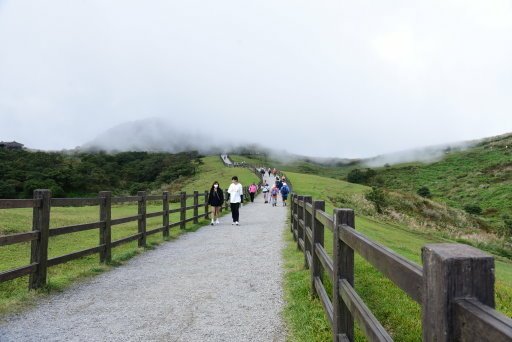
14,294
481,175
399,314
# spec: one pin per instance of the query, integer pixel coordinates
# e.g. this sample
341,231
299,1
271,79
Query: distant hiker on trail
269,171
235,192
262,171
279,183
273,194
285,190
215,200
274,172
252,191
265,189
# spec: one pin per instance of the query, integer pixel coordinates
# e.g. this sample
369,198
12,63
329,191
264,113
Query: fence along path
455,286
221,283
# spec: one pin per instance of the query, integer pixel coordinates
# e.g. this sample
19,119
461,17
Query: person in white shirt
235,191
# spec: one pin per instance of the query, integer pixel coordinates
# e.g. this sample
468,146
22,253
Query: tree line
85,174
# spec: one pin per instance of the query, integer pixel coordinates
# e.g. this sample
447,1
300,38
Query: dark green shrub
473,209
424,192
378,197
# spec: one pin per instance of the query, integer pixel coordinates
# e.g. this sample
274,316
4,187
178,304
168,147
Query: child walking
215,200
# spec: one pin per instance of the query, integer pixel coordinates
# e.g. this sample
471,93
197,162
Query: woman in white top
235,191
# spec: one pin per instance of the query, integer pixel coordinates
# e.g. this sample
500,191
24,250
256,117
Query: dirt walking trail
221,283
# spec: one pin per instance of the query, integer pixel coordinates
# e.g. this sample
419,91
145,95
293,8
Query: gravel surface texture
221,283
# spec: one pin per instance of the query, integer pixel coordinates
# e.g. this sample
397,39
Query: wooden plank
124,220
76,255
190,207
301,244
405,274
295,217
325,220
309,207
301,203
19,203
156,230
17,272
343,338
155,214
154,198
75,228
126,240
301,223
317,232
175,224
18,238
124,199
309,259
325,259
324,299
295,201
74,202
309,234
177,210
475,321
371,327
190,196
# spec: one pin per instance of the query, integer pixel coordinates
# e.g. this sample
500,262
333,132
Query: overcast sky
326,78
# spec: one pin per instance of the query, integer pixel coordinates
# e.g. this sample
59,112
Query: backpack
285,190
274,191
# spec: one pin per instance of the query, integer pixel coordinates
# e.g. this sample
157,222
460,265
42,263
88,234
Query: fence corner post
343,261
39,247
183,211
165,218
105,198
452,271
318,238
196,207
142,218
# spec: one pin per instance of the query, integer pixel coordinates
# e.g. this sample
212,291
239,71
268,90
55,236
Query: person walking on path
285,190
215,200
269,171
235,192
265,189
252,191
273,193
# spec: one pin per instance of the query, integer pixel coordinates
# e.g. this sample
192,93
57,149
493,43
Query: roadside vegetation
14,294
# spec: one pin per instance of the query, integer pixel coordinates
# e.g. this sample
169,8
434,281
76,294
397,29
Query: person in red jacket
253,188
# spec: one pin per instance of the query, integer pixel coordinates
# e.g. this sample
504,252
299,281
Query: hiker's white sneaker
237,223
217,222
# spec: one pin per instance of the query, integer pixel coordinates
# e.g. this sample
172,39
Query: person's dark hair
235,178
214,184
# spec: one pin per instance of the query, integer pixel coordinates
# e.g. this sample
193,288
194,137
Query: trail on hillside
221,283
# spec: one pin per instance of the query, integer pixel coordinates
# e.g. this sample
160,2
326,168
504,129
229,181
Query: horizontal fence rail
455,286
42,203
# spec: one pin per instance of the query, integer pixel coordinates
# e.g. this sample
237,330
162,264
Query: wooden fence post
300,216
452,271
105,229
226,199
292,208
39,247
343,261
196,207
165,218
142,218
183,212
206,193
307,223
318,238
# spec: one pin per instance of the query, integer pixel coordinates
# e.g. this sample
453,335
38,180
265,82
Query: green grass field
14,294
396,311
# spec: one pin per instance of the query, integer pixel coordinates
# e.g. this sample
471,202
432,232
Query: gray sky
326,78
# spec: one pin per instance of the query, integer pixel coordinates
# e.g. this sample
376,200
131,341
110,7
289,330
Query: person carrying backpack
265,189
273,193
252,191
285,190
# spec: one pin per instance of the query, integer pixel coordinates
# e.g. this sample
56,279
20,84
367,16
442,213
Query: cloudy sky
326,78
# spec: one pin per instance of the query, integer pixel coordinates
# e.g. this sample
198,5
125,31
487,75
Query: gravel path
221,283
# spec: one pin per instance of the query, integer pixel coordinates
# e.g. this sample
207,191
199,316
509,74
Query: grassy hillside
379,293
14,294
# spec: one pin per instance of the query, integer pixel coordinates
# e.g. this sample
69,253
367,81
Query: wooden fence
42,203
455,286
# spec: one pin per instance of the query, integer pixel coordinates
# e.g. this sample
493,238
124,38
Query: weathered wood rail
41,232
455,286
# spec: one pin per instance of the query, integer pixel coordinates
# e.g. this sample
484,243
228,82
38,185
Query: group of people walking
270,194
235,192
